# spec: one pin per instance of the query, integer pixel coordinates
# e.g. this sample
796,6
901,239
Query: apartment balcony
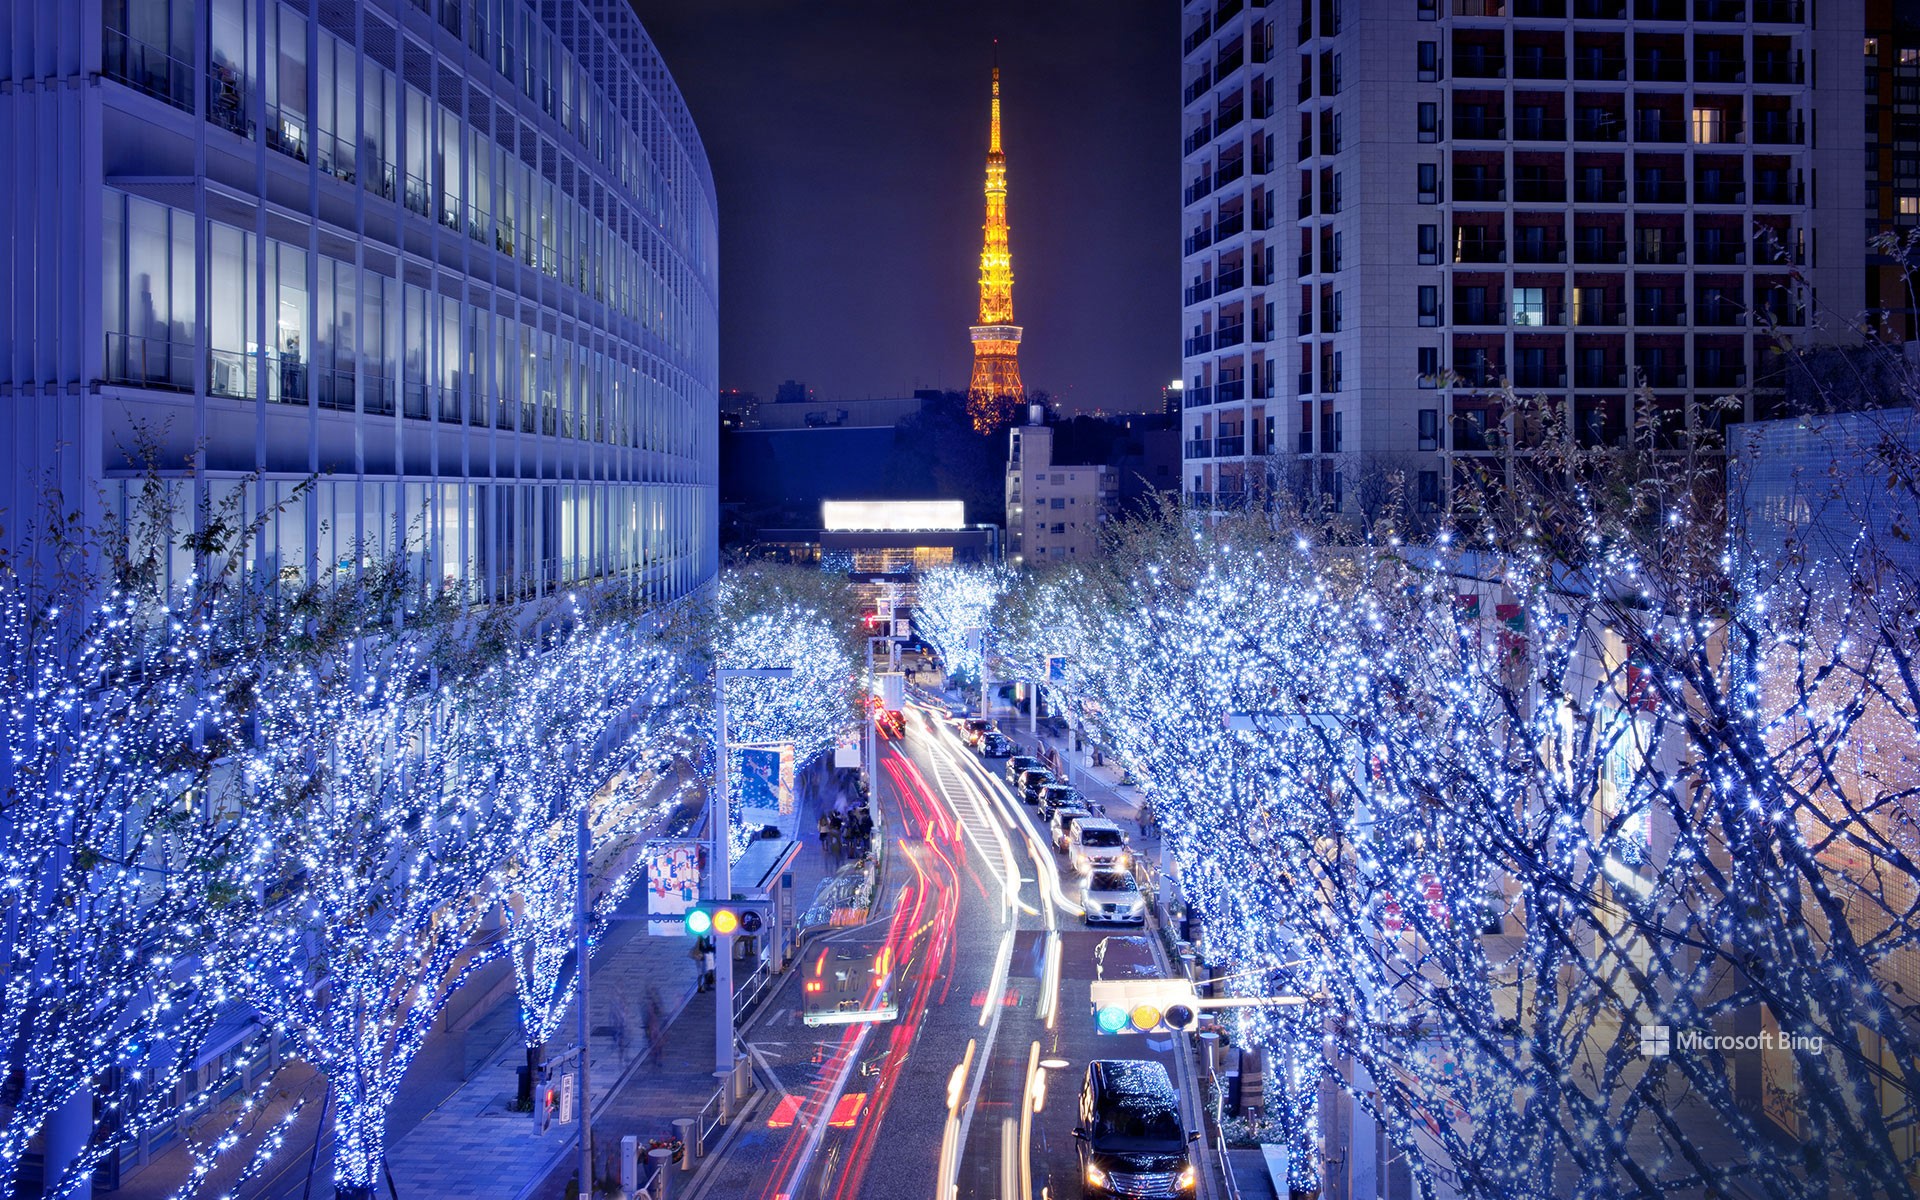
1662,375
1720,313
1199,448
1723,378
1605,190
1665,252
1230,281
1198,190
1600,67
1228,64
1780,191
1471,63
1227,10
1229,171
1230,390
1769,69
1719,70
1230,447
1589,250
1483,191
1589,315
1305,323
1659,10
150,362
1490,129
1662,68
1489,251
1722,192
1540,191
1539,129
1198,36
1227,226
1546,250
1719,10
1227,120
1199,240
1197,397
1659,314
1552,375
1306,206
1660,191
1479,314
1600,10
1538,66
1199,292
1229,335
1199,86
1606,375
1198,138
1199,344
1723,253
1648,128
1771,130
1779,12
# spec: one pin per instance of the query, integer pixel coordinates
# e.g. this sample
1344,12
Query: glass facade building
432,278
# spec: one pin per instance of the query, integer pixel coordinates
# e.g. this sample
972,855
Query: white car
1113,896
1096,844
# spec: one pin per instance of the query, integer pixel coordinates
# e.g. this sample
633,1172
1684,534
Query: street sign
568,1084
893,690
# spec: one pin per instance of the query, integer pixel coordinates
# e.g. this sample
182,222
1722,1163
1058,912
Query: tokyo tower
995,391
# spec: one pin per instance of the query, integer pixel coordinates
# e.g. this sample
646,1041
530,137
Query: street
972,1090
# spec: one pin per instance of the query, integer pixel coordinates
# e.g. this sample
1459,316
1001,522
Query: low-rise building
1054,512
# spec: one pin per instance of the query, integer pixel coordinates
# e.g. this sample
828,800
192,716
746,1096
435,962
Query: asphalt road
989,965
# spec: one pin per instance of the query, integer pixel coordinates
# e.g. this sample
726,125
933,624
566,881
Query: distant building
883,546
738,409
792,392
1054,512
885,412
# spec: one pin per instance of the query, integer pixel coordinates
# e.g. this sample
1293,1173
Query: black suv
1029,783
1132,1140
1060,795
1019,763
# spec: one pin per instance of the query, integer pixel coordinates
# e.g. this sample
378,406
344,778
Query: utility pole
582,908
719,862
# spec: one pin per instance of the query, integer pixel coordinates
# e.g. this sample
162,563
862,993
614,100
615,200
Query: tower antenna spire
996,390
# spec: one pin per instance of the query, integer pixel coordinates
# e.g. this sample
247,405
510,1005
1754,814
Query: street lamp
720,864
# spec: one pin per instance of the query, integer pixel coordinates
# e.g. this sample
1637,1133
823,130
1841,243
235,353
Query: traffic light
732,916
1144,1006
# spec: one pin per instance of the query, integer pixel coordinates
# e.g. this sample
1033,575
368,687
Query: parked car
1061,825
994,744
972,729
1096,844
1132,1139
1019,763
1030,782
1113,896
1060,795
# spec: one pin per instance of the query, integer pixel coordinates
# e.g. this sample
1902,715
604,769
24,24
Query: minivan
1096,844
1132,1140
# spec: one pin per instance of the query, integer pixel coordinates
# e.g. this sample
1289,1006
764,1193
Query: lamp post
873,718
720,864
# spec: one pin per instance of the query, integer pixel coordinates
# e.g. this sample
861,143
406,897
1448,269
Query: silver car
1113,896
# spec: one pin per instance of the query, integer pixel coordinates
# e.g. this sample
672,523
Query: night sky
849,142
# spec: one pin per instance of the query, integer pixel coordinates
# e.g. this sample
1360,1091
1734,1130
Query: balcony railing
1199,86
1769,130
1228,225
1480,190
1719,70
1479,128
227,102
1606,190
1589,250
1199,447
1660,314
1199,292
1538,66
1546,250
1473,251
1199,239
1721,377
1725,252
1708,311
1540,191
1229,390
1778,70
1659,375
147,69
1199,344
1470,63
1229,281
1230,447
1540,129
1724,192
1664,68
1229,171
1198,190
1666,252
1229,335
1776,192
1552,375
1198,397
150,362
1779,12
1598,314
1659,191
1607,375
1491,312
1600,67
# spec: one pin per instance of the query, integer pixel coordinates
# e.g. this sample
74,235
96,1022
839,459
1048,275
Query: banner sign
763,776
893,690
846,750
1057,668
673,886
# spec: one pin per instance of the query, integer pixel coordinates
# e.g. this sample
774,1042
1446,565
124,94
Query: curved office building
432,278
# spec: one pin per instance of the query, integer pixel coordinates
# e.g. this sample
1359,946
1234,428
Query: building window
1059,502
1909,56
1429,429
1529,306
1910,206
1429,61
1429,491
1429,304
1429,358
1429,122
1429,183
1709,125
1429,239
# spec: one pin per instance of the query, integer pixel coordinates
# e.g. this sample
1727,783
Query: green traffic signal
699,922
1111,1019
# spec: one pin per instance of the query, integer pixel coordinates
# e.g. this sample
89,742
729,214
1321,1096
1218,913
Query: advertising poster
673,885
763,776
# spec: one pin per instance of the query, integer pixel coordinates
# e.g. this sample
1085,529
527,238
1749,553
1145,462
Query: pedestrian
617,1023
656,1027
707,961
698,954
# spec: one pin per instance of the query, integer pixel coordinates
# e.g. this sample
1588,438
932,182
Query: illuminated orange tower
996,390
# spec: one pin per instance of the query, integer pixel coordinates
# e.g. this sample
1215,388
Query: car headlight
1126,860
1098,1178
1139,904
1188,1178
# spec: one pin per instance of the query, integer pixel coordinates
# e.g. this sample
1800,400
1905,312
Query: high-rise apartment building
1391,207
454,261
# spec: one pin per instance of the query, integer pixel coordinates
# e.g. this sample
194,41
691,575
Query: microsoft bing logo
1656,1041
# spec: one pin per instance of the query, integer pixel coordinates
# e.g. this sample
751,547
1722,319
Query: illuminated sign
892,515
